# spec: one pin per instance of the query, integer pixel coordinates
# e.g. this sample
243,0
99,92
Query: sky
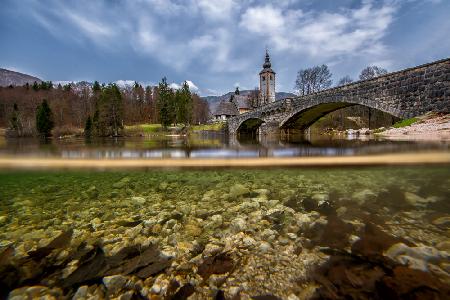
217,44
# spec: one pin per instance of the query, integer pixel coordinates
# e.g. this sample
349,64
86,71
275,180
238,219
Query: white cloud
124,83
322,34
192,87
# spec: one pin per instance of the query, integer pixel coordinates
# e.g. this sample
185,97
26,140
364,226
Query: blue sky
217,44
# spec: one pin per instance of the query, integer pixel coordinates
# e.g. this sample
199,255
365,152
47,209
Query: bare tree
313,80
345,80
371,72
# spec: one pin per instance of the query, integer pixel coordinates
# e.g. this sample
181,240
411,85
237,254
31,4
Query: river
366,231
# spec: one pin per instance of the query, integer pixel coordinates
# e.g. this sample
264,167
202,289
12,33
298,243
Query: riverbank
431,126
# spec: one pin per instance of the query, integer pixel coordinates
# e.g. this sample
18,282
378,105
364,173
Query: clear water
285,233
211,146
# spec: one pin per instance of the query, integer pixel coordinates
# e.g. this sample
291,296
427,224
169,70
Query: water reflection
211,146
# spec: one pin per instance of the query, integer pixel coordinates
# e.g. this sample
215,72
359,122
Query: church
239,104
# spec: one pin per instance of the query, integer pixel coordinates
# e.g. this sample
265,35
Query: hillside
213,101
8,77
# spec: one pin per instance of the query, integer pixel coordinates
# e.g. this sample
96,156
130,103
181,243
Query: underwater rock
416,200
238,225
35,292
364,195
122,183
81,292
264,247
238,190
443,222
216,221
192,229
399,251
444,246
374,241
62,240
138,200
114,283
219,264
92,192
3,220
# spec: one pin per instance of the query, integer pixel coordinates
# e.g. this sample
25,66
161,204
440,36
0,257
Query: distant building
226,109
266,83
239,104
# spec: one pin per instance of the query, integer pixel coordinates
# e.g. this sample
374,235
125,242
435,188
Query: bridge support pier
269,128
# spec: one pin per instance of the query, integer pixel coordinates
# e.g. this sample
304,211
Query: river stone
238,190
442,221
81,292
238,225
138,200
92,192
416,200
216,221
444,246
192,229
122,183
114,283
362,196
412,262
264,247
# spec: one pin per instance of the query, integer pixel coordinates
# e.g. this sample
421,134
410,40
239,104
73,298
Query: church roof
242,102
226,108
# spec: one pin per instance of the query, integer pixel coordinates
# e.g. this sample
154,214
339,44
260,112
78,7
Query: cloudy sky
217,44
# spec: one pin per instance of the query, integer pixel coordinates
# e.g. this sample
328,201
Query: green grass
210,127
405,122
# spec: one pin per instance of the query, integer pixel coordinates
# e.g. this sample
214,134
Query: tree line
102,110
318,78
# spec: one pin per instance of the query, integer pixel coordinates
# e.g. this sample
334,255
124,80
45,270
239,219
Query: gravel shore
429,127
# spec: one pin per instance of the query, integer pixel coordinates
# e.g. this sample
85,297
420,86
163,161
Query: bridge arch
250,126
304,117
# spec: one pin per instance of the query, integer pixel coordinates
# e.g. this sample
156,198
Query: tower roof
267,65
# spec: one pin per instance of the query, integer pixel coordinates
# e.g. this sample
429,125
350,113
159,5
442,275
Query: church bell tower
266,82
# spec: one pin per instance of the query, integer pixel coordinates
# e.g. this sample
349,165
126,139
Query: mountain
8,77
213,101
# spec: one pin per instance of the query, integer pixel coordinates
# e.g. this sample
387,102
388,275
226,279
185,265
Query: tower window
264,78
271,78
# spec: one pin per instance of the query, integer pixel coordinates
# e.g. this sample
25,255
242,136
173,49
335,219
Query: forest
104,109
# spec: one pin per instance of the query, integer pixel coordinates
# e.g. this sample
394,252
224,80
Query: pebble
114,283
138,200
442,221
264,247
238,225
238,190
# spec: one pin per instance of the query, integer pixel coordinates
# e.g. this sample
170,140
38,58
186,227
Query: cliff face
8,78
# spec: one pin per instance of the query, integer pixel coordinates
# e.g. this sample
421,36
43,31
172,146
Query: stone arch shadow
250,126
303,118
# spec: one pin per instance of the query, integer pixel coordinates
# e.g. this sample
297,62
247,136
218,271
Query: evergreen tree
165,101
35,86
183,99
95,123
236,92
44,119
110,111
96,87
15,121
88,127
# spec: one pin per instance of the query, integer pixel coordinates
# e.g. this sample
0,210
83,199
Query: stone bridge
404,94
